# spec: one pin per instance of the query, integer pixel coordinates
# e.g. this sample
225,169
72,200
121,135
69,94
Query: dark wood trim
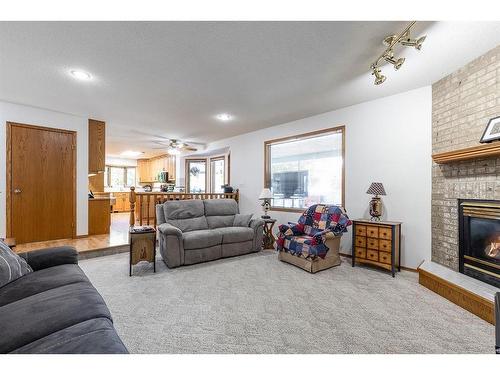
464,298
267,147
8,194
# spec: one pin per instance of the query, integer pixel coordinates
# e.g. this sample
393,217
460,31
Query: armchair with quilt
313,242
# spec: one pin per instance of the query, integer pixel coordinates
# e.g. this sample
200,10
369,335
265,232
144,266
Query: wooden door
41,183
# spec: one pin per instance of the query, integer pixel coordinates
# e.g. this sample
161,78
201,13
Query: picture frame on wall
492,131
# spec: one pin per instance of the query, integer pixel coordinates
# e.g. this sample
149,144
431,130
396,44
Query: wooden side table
142,247
268,239
377,243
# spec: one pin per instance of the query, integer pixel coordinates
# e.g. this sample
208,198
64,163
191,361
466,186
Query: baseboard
464,298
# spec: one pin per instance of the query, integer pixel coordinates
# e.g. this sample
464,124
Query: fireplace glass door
479,240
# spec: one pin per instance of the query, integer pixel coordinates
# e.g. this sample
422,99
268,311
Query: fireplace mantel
476,152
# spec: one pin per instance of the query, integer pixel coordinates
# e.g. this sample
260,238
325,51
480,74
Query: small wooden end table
142,246
268,239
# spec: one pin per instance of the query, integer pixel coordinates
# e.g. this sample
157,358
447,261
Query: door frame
8,195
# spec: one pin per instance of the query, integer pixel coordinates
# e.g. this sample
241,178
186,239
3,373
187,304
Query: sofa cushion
42,314
187,215
94,336
200,239
40,281
185,209
188,225
12,266
220,207
242,220
220,221
236,234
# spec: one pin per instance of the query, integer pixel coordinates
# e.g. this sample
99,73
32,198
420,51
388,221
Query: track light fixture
389,57
409,42
379,78
402,38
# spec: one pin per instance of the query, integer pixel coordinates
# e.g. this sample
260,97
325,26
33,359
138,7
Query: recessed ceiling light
224,117
80,75
131,153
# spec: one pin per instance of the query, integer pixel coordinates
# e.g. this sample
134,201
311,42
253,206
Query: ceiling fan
175,146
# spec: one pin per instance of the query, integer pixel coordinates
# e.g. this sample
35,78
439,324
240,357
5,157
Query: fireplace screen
479,235
485,238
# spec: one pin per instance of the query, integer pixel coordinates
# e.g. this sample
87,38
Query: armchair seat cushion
236,234
306,246
199,239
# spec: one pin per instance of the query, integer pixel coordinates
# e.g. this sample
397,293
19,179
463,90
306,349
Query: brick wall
462,104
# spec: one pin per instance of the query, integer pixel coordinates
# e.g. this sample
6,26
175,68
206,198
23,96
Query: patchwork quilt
307,237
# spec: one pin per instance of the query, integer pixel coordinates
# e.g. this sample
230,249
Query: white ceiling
170,79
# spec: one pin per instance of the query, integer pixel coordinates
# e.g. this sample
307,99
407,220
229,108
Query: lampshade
265,194
376,188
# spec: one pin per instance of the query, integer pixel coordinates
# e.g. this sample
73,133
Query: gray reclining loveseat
194,231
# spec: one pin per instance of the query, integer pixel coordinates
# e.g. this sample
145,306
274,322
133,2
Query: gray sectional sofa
55,309
194,231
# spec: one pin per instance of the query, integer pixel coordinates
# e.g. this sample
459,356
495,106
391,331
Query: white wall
41,117
387,140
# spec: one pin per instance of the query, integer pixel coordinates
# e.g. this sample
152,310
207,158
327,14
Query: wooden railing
143,205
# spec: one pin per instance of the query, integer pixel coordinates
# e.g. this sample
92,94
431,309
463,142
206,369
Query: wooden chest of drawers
377,243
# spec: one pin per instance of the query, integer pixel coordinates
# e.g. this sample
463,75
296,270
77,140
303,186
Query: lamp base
265,217
375,208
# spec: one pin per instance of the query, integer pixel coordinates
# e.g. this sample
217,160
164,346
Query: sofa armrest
50,257
169,230
255,223
258,229
171,245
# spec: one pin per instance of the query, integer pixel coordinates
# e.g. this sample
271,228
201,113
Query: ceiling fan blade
187,148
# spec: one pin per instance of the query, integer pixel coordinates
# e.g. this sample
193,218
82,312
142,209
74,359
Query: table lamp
376,188
265,197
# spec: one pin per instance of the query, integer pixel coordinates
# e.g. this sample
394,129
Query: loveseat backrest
220,212
187,215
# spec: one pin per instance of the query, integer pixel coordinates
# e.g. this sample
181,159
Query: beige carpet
256,304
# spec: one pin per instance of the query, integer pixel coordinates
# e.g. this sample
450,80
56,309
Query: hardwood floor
118,237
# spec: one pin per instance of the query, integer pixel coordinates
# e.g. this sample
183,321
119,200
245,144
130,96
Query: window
207,174
306,169
197,176
120,176
218,174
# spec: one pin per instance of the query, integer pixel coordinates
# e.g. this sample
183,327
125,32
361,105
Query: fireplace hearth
479,239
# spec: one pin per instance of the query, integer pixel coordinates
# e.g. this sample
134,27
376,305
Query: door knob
17,191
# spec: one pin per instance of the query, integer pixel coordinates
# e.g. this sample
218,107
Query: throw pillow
242,220
12,266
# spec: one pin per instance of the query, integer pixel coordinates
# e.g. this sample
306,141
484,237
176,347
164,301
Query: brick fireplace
462,104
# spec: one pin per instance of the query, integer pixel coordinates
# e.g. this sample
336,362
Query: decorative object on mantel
390,42
492,131
476,152
376,188
266,197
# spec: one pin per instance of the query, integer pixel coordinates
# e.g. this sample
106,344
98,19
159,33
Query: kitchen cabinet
97,146
122,202
148,169
99,218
